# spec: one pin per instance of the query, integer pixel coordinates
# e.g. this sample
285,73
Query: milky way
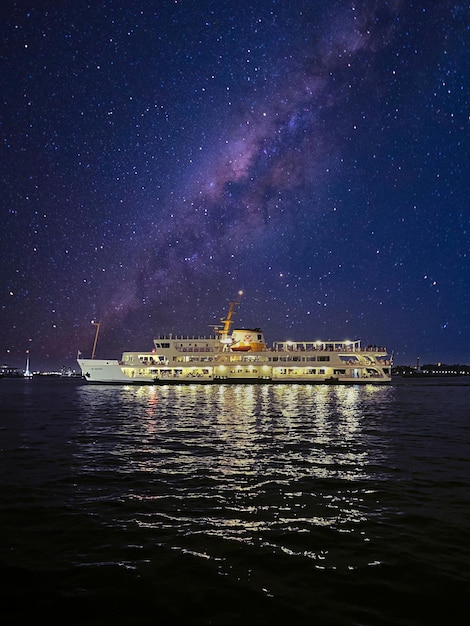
160,158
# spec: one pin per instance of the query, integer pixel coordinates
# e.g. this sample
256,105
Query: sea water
232,504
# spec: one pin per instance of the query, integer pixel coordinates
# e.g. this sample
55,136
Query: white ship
242,356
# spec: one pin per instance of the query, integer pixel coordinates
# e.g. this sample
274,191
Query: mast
97,324
227,322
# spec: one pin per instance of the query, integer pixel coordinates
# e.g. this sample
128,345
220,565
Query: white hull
109,371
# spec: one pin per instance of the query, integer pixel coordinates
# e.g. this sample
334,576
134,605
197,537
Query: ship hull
112,372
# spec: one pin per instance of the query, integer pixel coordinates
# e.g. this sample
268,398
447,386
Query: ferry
241,356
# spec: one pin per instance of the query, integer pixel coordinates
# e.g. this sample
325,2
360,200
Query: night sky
159,156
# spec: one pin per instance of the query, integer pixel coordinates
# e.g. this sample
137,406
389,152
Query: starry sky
159,156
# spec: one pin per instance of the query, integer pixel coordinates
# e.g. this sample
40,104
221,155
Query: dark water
235,504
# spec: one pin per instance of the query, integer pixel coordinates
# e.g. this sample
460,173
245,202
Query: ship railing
173,337
283,346
352,347
192,349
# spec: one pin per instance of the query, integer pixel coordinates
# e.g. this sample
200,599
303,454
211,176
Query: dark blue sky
156,157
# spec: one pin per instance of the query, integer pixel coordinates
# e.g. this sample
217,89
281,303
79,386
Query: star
158,160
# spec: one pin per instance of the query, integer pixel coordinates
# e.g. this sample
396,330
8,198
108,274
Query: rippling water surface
231,504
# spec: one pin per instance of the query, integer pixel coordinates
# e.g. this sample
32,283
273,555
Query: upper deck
198,343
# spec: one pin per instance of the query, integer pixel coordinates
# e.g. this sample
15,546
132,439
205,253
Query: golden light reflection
263,464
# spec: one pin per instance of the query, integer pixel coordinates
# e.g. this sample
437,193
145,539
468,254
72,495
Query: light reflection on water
262,466
330,504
